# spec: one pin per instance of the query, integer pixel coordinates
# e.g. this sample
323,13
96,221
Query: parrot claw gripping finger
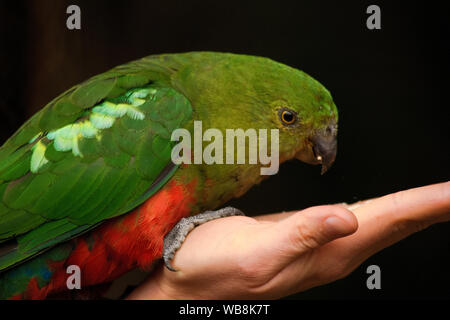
175,238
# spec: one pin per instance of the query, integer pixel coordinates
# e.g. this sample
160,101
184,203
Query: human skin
272,256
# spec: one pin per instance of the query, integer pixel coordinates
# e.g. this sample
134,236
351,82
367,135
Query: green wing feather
95,152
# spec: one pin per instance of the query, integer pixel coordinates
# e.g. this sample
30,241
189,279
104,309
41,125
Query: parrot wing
95,152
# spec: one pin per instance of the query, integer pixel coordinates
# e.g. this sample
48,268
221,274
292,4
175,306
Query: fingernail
337,226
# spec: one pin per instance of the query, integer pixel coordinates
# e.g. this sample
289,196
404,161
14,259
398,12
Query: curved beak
323,147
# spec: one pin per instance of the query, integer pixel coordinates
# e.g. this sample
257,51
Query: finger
274,217
386,220
429,204
353,206
307,230
282,244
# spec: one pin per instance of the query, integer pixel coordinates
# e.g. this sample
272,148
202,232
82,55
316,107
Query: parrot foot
175,238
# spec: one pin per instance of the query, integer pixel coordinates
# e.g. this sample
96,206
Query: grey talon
175,238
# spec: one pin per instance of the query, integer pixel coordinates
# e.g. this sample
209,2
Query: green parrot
90,180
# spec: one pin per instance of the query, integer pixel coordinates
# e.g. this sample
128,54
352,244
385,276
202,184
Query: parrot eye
287,117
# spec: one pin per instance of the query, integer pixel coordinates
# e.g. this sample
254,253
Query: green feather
67,170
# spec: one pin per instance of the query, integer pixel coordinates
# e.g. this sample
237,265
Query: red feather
123,243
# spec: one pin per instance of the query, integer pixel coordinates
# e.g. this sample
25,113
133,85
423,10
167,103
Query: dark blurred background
390,85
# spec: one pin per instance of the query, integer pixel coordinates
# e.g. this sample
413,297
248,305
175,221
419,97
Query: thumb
312,228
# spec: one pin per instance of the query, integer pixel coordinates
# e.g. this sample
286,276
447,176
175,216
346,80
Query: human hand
276,255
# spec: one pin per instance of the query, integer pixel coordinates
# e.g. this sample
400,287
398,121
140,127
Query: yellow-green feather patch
88,130
101,117
101,121
38,158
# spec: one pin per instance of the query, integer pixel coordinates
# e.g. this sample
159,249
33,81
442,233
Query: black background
390,86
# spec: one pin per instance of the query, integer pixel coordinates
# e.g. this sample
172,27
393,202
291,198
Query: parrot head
242,91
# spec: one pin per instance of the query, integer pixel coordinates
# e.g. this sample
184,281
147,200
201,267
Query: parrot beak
322,147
